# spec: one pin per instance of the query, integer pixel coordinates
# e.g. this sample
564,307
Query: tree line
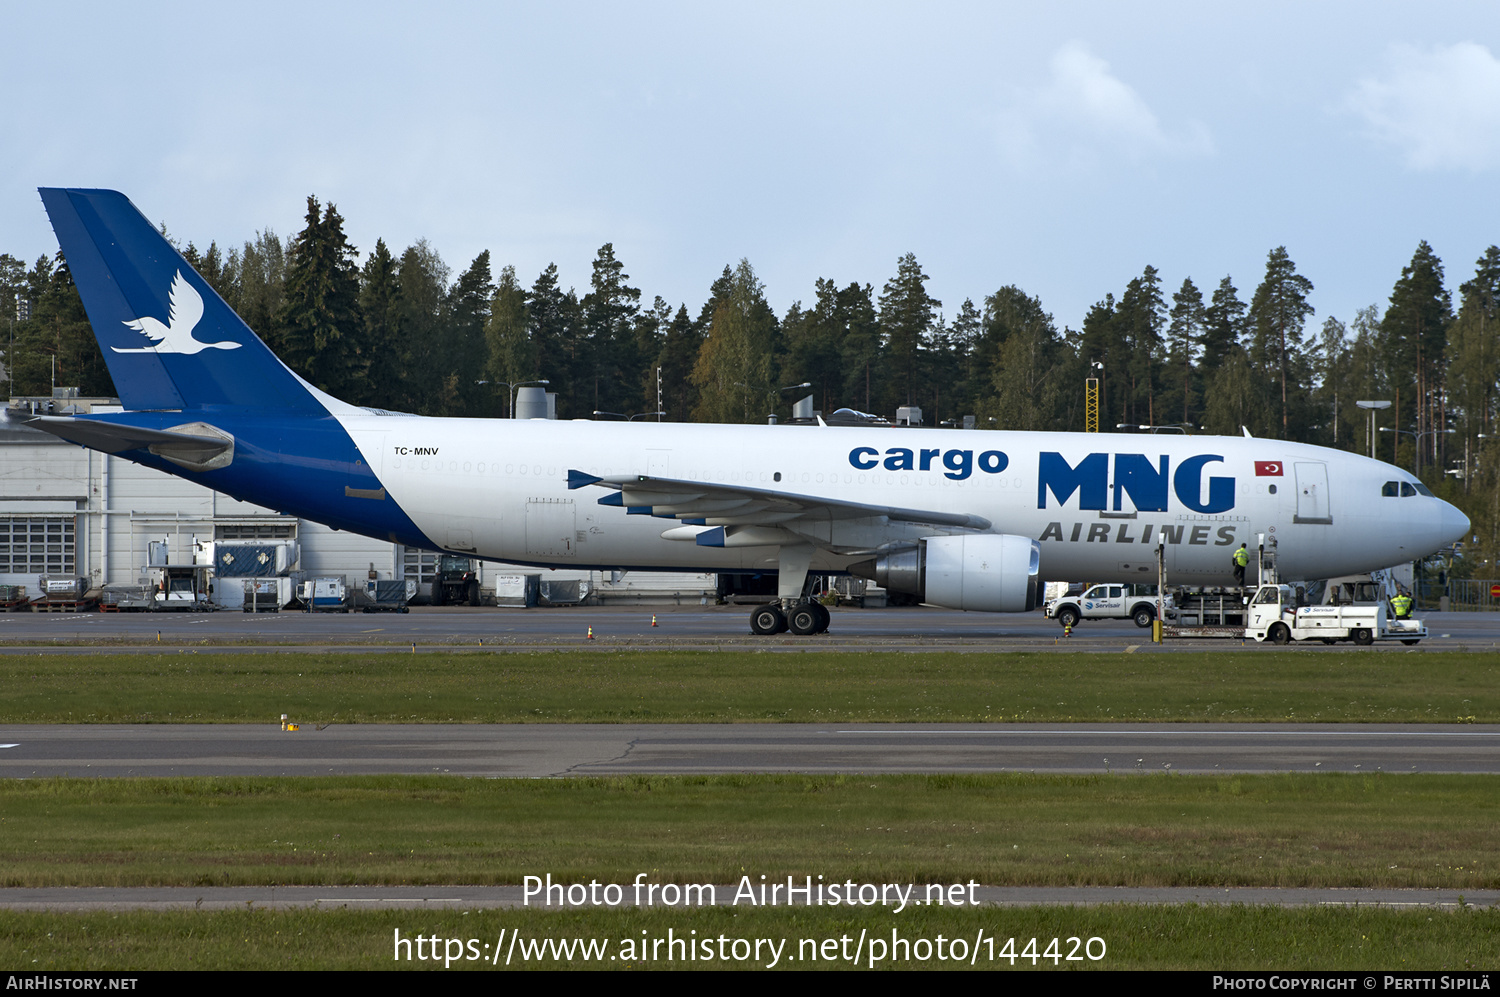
400,332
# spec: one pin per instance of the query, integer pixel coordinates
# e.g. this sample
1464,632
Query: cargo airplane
971,520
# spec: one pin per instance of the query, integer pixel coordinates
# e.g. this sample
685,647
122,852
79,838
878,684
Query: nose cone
1455,525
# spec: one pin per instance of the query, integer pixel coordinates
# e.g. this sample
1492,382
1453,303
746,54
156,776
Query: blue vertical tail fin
169,340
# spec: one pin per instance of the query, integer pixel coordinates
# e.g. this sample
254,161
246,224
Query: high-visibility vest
1401,604
1242,557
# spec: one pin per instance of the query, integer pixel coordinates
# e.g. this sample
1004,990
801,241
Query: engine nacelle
989,573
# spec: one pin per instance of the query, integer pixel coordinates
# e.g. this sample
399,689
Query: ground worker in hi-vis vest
1402,605
1241,559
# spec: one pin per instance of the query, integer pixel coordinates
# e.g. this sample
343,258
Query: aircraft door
550,527
1312,494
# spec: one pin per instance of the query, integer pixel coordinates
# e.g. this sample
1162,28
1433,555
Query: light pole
1372,407
1417,443
622,415
802,408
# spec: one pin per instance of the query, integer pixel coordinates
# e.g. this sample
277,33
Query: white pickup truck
1108,602
1275,616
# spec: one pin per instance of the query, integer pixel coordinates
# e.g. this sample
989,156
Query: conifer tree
557,338
679,353
510,355
1141,318
1278,313
906,317
1022,377
734,372
422,298
379,304
1415,330
261,286
1224,324
609,310
465,347
319,318
1189,321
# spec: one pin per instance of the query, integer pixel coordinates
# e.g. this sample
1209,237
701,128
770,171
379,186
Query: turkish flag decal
1268,467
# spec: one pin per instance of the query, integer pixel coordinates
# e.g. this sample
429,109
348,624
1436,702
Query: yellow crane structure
1091,400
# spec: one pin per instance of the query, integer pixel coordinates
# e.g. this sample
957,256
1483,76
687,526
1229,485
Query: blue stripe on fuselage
293,464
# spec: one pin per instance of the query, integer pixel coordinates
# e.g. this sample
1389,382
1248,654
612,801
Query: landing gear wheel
1363,637
824,616
1069,618
767,620
804,619
1143,617
1280,634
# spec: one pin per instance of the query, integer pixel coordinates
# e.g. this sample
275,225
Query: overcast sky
1057,147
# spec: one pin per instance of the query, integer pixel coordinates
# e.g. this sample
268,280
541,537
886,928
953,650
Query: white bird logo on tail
177,335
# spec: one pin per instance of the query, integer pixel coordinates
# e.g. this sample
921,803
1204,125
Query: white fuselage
499,489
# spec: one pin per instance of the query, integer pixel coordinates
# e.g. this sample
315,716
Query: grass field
1005,829
686,686
1126,937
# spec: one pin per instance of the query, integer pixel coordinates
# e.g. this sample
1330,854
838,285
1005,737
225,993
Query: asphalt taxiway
558,750
630,627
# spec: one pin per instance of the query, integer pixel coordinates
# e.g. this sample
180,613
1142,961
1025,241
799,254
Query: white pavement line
1187,733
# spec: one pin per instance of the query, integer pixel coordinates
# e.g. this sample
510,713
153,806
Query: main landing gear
803,619
793,609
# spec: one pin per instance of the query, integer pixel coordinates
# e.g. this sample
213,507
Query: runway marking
1187,733
390,900
9,745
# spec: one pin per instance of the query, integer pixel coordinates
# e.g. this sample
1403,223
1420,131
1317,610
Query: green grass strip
1374,830
707,687
1133,937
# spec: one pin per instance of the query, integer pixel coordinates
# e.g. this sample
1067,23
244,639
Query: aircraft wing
702,503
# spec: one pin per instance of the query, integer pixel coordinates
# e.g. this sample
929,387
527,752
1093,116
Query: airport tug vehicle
1275,616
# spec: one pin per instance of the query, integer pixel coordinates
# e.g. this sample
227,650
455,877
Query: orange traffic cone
653,619
591,633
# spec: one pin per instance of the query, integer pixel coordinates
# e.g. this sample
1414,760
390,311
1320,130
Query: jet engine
990,573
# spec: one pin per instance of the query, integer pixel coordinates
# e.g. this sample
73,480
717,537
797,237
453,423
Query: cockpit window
1407,490
1424,490
1390,489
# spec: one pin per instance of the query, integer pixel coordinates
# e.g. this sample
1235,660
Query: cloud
1085,113
1440,107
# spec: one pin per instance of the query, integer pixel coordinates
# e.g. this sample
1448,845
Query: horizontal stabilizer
196,446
